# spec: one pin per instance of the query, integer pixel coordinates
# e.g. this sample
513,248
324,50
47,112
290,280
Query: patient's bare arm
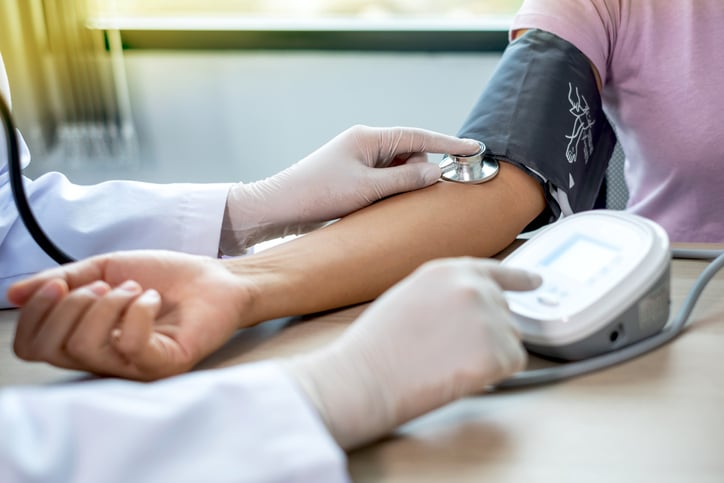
357,258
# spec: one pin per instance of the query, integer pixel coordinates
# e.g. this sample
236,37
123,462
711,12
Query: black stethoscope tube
16,185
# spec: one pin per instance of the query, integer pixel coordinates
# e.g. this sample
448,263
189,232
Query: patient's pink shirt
662,64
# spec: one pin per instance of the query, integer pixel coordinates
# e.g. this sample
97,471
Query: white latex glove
442,333
335,180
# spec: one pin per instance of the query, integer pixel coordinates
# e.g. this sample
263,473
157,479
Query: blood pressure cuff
542,112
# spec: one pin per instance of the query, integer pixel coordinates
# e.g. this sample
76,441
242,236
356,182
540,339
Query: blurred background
226,90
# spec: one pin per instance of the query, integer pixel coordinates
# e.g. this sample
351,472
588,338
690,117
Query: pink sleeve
590,25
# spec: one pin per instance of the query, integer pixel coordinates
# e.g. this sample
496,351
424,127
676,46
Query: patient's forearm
360,256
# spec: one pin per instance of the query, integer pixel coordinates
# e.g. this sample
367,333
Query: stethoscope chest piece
469,168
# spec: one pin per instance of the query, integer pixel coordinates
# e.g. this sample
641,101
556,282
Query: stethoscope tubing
18,190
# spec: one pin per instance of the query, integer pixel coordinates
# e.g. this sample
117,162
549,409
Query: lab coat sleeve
114,215
247,423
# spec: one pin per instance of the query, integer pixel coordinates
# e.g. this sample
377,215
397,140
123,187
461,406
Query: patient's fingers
48,343
76,275
20,292
89,344
136,339
136,327
32,316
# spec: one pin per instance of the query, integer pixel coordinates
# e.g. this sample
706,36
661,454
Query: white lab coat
246,423
115,215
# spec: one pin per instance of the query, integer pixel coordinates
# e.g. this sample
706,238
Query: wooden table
659,418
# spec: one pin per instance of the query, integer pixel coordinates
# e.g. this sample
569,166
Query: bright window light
308,9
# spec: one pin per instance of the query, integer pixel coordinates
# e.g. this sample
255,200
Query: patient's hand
140,314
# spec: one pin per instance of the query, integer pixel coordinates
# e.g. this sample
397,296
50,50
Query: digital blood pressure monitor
605,284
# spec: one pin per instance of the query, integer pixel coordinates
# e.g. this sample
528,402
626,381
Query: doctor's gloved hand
138,314
443,333
335,180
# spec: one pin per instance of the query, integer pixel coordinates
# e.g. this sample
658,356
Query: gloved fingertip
472,144
515,279
534,279
431,173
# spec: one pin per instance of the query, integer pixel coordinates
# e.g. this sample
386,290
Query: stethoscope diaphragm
469,168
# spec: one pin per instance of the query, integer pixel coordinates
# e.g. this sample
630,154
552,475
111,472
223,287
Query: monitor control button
549,299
